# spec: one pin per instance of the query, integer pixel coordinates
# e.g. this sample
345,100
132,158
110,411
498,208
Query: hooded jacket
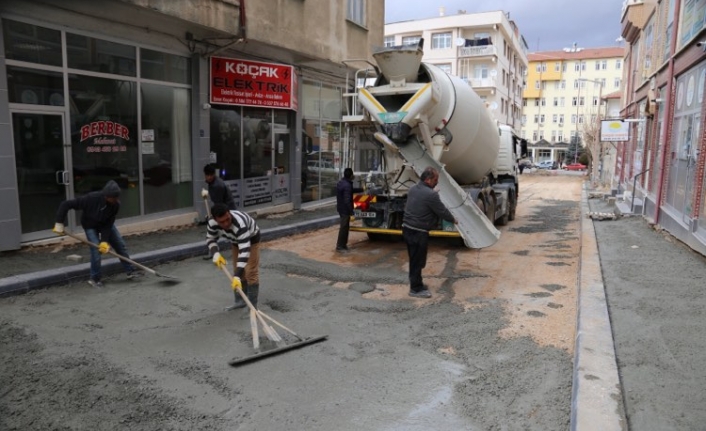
97,213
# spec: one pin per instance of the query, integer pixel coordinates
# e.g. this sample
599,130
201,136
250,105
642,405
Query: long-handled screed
123,258
257,316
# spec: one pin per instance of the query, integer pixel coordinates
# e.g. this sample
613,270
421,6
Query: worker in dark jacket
218,191
421,214
344,206
98,221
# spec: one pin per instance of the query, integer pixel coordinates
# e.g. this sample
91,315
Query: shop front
252,112
84,109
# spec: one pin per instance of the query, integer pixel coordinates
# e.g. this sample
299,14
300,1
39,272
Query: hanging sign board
615,131
252,83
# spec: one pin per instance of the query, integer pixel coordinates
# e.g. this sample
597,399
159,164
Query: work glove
236,283
58,229
352,219
218,260
204,193
103,247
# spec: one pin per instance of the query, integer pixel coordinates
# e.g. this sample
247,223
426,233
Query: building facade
662,163
146,93
563,96
485,49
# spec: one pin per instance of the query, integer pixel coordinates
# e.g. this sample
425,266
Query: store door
43,176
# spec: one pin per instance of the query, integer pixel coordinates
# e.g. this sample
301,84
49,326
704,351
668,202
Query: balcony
481,82
477,51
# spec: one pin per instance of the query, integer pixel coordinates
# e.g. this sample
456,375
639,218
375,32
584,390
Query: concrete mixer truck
424,117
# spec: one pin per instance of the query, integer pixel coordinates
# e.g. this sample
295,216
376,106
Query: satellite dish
493,73
494,106
460,41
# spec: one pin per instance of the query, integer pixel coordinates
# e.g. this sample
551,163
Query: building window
616,83
446,67
524,102
389,41
524,120
560,136
536,85
480,71
574,101
543,101
577,66
581,119
541,119
410,40
30,43
557,66
561,118
555,117
356,12
618,64
536,118
563,84
581,101
561,101
598,65
441,40
556,101
553,135
573,118
97,55
536,102
604,64
161,66
534,136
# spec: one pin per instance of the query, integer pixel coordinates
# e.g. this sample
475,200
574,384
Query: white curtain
181,137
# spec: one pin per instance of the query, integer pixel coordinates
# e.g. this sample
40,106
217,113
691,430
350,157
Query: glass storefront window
161,66
97,55
166,148
31,43
35,87
104,137
323,149
225,141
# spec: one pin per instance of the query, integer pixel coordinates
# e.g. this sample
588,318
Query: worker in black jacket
344,206
218,190
421,214
98,221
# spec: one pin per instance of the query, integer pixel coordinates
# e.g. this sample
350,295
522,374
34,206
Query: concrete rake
257,316
169,278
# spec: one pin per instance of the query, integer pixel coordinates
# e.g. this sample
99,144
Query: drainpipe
243,22
669,111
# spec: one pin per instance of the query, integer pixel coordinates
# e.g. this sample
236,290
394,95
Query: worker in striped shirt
244,235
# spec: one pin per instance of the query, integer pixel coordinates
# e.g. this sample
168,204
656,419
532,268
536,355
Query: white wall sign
147,135
615,131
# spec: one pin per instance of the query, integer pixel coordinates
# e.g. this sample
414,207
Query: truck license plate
361,214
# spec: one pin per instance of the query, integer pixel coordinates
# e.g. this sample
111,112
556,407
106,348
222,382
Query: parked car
575,167
546,164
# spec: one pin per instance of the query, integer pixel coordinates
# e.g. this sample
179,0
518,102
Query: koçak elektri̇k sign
252,83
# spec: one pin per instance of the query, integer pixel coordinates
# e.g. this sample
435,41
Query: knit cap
111,189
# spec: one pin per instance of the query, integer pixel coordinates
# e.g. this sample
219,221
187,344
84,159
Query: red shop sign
252,83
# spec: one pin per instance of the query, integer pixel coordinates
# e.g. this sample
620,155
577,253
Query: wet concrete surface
492,349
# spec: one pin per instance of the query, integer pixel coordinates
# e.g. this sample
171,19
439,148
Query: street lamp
598,114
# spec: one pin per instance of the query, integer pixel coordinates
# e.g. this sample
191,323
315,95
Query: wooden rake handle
111,252
269,331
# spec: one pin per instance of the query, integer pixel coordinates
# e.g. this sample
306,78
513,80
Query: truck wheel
512,207
480,203
502,221
375,236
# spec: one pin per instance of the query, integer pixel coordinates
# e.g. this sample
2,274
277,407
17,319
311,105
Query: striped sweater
243,232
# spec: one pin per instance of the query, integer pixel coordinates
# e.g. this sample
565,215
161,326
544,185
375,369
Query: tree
574,151
591,131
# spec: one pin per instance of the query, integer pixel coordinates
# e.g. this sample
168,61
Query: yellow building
562,96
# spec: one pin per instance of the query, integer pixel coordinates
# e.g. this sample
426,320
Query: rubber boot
253,292
239,303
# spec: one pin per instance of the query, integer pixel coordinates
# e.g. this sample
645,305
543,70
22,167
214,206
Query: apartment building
485,49
146,93
662,166
564,97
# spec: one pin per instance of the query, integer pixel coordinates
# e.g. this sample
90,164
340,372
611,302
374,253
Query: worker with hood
98,212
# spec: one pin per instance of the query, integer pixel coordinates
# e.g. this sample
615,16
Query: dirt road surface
492,349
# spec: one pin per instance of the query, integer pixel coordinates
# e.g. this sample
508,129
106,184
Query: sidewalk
43,266
656,295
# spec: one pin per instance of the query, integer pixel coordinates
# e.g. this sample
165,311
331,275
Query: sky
547,25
